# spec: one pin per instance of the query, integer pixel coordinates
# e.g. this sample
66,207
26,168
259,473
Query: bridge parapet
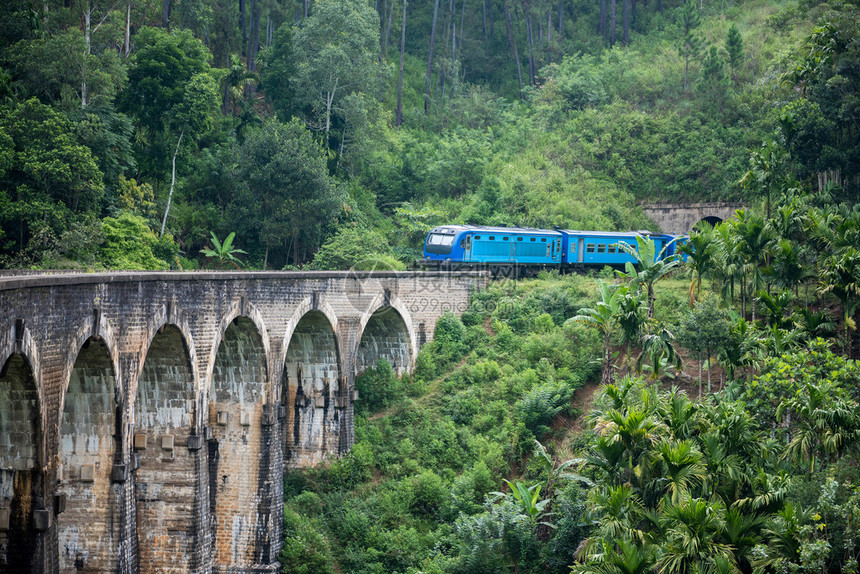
176,401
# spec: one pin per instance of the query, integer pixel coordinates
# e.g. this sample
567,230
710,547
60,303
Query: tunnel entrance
711,220
236,451
312,392
20,480
166,482
88,532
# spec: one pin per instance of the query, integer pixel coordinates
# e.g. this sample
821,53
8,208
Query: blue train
524,250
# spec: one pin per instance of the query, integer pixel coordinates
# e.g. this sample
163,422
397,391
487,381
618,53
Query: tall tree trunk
254,37
399,119
484,25
686,70
87,43
531,41
612,24
243,27
626,22
462,30
388,28
549,25
172,182
513,44
492,23
127,41
165,13
602,24
430,58
560,18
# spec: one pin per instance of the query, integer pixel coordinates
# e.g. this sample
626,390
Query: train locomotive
521,251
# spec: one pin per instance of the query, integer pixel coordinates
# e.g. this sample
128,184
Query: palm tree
683,468
635,430
604,316
822,423
729,260
788,269
693,542
650,266
754,237
617,556
658,348
841,277
700,250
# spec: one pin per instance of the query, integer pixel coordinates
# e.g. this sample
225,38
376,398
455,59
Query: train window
543,239
439,239
533,239
612,248
492,237
589,248
519,238
477,237
601,248
504,238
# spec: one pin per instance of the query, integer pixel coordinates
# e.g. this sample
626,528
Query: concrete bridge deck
147,419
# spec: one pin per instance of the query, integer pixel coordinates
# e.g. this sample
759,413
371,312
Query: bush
305,549
378,387
429,491
356,248
540,405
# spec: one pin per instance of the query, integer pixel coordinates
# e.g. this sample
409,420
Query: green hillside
130,136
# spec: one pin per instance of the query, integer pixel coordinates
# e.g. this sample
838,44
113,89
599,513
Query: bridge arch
22,490
164,317
312,392
238,452
18,339
89,438
238,311
166,485
386,333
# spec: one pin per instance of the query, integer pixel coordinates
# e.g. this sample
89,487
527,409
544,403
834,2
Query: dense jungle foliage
134,131
499,453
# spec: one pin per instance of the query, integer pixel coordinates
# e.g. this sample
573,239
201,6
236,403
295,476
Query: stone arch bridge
147,419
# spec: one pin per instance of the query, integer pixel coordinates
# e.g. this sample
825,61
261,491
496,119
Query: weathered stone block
87,473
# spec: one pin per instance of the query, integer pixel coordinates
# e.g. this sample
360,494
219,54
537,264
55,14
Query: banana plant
223,252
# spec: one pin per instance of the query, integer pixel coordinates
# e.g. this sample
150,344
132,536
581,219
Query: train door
580,250
557,252
467,247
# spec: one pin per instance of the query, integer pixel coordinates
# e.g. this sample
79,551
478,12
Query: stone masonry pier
147,419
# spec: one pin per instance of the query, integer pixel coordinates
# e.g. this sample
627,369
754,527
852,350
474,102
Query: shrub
429,491
540,405
378,387
305,549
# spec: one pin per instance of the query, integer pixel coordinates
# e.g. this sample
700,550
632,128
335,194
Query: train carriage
524,250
